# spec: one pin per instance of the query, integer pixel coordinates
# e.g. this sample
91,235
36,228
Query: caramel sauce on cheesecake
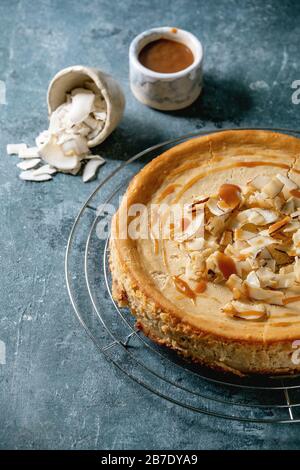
201,287
166,56
226,265
183,287
229,195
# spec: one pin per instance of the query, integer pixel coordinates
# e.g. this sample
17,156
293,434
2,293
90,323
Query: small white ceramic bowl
166,91
75,76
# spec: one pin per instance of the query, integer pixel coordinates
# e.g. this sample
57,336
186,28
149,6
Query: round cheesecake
205,251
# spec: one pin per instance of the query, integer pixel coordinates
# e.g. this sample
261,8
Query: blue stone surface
57,391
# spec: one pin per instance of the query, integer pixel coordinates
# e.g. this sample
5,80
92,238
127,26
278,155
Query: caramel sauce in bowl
165,68
166,56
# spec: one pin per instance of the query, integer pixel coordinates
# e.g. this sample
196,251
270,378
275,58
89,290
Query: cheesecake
205,251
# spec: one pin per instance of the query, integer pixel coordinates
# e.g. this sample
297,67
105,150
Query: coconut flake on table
45,170
29,152
30,176
28,164
14,149
64,146
91,167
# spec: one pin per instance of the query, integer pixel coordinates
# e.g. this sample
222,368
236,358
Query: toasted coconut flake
198,201
273,188
245,311
259,182
226,238
297,269
269,215
240,234
291,227
257,216
268,278
235,284
193,230
288,207
281,257
269,296
286,181
278,225
195,244
289,185
257,244
296,214
216,225
252,279
212,205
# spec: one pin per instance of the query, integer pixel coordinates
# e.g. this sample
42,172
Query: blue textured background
56,391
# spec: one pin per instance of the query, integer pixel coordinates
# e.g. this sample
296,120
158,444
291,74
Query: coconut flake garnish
260,234
245,311
64,146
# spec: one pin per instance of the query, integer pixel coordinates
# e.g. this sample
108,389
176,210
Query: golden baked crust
201,331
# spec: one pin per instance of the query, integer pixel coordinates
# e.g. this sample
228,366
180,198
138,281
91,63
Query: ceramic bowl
74,77
166,91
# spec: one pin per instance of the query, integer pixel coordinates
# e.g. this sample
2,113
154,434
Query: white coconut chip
81,105
54,155
91,122
100,115
28,164
97,130
14,149
45,170
30,152
29,176
91,168
42,138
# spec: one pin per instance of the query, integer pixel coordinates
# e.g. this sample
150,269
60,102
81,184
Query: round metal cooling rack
159,370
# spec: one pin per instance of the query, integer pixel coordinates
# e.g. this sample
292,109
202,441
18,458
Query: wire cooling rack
159,370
